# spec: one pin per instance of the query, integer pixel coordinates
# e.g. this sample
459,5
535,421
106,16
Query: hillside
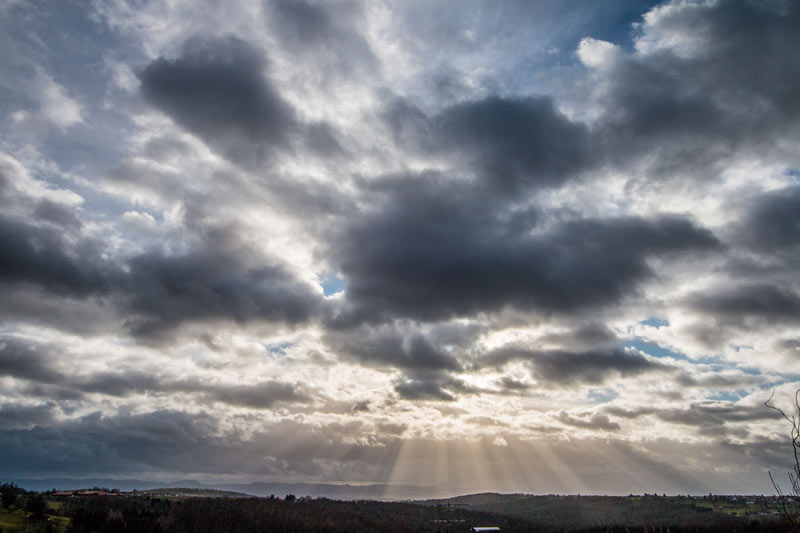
575,512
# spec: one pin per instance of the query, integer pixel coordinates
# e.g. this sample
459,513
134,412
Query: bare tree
790,501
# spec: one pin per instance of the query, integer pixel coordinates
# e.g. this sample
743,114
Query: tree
790,501
36,505
8,494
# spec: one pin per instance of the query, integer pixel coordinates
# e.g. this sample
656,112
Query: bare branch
782,500
794,476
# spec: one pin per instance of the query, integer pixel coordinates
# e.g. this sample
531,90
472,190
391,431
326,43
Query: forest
179,512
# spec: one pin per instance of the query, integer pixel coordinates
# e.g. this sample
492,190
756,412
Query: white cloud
55,105
597,54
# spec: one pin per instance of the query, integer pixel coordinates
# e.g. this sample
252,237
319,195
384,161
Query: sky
543,247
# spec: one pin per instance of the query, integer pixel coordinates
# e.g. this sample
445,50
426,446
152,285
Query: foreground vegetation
654,511
181,511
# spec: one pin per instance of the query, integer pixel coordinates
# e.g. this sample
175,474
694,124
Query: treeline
77,514
599,513
201,515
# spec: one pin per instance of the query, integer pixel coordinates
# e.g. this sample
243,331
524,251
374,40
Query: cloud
451,254
432,385
36,363
749,304
772,222
18,416
217,90
514,386
515,144
685,100
57,214
259,396
423,389
391,346
326,36
598,54
592,335
711,416
558,368
43,256
596,421
157,292
20,360
55,105
164,291
176,441
720,380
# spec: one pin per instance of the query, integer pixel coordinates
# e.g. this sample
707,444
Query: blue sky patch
602,395
279,349
331,284
652,348
727,396
655,322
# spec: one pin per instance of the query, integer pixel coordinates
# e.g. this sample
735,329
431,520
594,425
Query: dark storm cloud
260,396
451,254
390,346
735,92
720,381
773,222
163,291
512,143
325,34
55,274
43,256
57,214
702,415
116,384
566,368
36,364
126,442
5,183
525,142
514,386
154,291
431,385
20,360
217,90
596,421
790,346
592,335
174,441
412,389
14,415
428,359
749,303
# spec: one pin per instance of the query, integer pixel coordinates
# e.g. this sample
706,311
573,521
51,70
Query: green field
19,520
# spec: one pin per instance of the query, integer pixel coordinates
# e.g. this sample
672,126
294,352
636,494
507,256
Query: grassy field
10,520
17,519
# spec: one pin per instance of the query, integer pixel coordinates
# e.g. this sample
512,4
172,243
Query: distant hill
199,493
315,490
